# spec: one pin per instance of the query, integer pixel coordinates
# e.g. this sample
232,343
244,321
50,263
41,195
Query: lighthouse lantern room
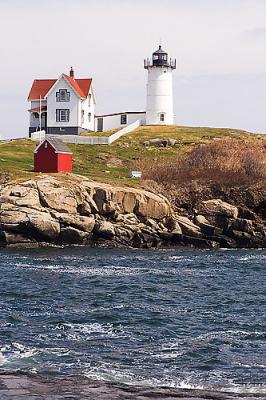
159,104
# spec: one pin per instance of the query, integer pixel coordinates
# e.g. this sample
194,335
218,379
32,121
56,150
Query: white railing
38,136
76,139
124,131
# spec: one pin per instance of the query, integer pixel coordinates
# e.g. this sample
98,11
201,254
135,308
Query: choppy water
184,319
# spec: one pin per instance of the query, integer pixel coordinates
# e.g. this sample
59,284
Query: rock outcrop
68,210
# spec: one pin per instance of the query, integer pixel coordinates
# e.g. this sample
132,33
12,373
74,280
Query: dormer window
63,95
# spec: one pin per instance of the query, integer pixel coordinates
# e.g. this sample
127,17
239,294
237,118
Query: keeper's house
52,156
62,106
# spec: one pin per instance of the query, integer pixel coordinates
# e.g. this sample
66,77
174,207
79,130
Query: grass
112,163
106,134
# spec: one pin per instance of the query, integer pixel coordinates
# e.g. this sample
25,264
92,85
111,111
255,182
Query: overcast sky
220,46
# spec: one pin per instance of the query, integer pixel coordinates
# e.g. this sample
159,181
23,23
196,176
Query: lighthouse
159,105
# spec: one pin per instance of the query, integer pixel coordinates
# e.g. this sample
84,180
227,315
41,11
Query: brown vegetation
226,161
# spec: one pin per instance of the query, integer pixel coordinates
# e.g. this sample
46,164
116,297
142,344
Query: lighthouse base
159,118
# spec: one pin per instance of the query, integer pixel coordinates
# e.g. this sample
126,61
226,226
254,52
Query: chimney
71,73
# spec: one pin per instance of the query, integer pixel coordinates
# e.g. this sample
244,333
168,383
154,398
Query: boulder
82,223
21,196
122,233
260,227
13,219
218,207
104,229
245,213
200,243
152,206
72,235
206,227
243,225
43,225
188,227
129,202
152,224
158,142
12,238
55,195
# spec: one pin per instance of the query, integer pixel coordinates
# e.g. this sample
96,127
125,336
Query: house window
90,100
123,119
62,115
89,117
162,117
82,116
63,95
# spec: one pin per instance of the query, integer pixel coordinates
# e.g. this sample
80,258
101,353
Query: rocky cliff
68,210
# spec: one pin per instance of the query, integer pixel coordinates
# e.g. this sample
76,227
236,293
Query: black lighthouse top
160,59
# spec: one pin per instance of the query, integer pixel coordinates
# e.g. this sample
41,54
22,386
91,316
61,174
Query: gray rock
72,235
188,227
200,243
82,223
43,225
152,224
206,227
105,229
11,238
218,207
243,225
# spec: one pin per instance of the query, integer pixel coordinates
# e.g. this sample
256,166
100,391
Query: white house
62,106
109,122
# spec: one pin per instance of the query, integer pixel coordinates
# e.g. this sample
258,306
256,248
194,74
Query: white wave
14,352
227,334
111,373
81,331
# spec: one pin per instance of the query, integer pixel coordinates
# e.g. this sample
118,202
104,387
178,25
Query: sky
220,47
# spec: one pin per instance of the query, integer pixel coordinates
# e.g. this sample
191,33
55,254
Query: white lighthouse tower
159,106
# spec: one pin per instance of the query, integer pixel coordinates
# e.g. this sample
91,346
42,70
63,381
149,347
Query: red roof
84,85
41,87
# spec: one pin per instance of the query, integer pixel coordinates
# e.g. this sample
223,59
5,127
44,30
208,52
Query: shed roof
57,144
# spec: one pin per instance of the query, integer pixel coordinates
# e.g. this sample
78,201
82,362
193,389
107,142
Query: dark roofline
120,113
59,146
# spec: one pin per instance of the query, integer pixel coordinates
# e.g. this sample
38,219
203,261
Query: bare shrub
226,161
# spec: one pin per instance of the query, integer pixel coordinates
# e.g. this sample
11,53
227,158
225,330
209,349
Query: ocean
179,319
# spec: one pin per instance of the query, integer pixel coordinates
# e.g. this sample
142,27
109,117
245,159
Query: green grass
112,163
106,134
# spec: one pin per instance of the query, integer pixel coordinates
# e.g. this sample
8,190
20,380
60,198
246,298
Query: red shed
52,155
